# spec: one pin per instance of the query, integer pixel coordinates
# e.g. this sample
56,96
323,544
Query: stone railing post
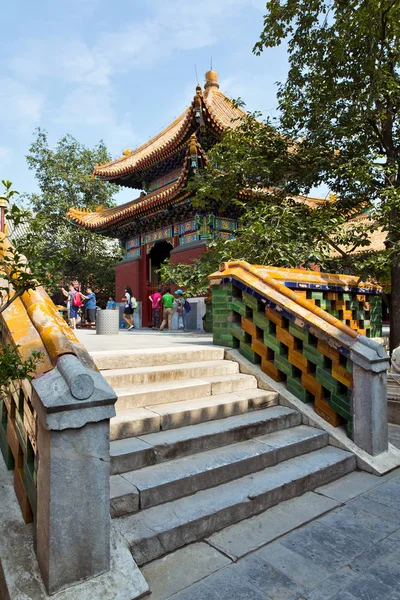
73,406
369,399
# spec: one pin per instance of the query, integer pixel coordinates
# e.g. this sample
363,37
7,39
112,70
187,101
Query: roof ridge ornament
211,80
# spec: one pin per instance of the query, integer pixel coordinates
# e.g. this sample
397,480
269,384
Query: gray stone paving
350,552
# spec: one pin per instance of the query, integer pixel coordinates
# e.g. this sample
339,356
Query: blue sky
121,71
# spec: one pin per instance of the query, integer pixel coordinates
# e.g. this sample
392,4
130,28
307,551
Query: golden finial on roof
211,79
127,152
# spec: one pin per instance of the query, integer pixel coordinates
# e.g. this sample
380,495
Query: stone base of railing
20,577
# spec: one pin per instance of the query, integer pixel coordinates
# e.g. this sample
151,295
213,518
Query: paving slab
223,585
385,549
325,547
365,502
387,571
368,587
181,569
359,525
267,579
350,486
333,585
298,568
240,539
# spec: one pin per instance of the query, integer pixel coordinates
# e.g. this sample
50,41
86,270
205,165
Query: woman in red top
155,300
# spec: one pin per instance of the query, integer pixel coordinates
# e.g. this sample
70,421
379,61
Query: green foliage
342,98
16,277
13,368
64,175
193,277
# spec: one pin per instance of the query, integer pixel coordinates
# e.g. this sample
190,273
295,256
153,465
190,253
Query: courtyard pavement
352,552
141,338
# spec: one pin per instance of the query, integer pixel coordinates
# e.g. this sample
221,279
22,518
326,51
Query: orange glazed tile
339,305
285,337
274,316
269,369
328,351
331,296
323,409
362,331
299,361
302,293
249,327
353,324
22,496
347,315
311,385
340,373
262,350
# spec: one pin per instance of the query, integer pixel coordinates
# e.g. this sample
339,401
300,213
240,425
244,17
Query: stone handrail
321,358
55,435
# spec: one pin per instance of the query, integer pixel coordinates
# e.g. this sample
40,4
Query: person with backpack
182,307
74,303
130,305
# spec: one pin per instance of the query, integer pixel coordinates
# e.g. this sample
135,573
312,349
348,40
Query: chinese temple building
162,222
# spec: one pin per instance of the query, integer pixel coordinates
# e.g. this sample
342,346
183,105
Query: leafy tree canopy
342,97
64,176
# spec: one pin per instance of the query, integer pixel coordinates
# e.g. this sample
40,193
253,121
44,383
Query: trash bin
107,322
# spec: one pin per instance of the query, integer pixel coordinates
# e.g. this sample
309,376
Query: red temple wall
187,256
127,274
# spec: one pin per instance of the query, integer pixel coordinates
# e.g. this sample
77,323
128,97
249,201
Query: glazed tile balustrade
308,330
54,435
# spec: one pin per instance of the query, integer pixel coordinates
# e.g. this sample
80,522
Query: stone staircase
196,446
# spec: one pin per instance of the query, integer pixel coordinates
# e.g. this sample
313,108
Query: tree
341,102
64,176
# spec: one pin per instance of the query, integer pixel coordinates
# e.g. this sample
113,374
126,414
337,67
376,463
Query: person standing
180,308
90,307
168,310
128,310
73,304
155,300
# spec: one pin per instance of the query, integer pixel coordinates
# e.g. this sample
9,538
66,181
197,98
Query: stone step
139,421
174,372
150,357
134,453
175,479
161,529
184,389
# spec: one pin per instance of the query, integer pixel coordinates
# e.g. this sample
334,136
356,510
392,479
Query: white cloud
20,106
4,153
172,25
92,107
